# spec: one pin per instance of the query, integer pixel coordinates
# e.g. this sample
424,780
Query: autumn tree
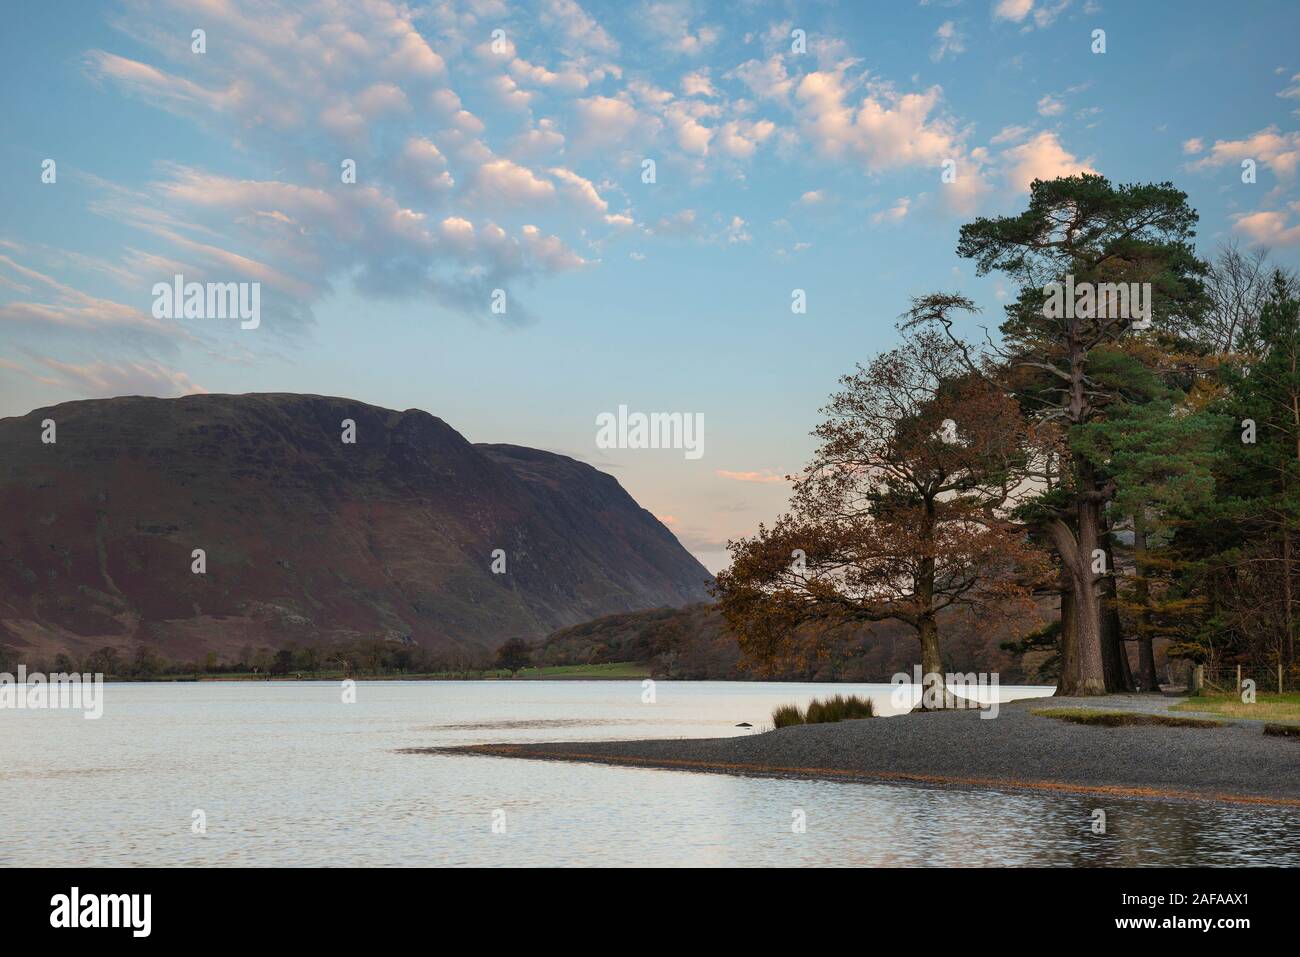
901,515
514,655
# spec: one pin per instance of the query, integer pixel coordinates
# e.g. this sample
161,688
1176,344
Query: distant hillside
307,539
693,643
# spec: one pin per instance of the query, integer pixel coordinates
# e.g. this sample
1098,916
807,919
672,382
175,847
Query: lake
287,774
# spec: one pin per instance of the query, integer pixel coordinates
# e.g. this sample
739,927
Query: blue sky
518,166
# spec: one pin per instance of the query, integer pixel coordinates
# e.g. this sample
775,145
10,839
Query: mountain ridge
306,539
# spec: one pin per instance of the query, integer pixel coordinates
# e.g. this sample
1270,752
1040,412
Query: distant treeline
694,643
689,643
365,656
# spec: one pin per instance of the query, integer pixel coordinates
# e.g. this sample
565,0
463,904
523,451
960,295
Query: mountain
307,538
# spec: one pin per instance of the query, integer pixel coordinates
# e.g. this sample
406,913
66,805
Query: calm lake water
286,774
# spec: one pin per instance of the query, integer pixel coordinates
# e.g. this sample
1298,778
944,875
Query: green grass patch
612,669
1119,719
1278,708
835,708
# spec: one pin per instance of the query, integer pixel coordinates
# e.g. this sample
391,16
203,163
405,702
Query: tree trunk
932,664
1087,676
1067,638
1090,677
1148,680
1286,590
1119,676
927,627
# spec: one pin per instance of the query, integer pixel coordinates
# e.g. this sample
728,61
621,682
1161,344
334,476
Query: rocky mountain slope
306,538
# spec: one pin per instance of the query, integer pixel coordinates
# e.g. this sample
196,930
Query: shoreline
1235,763
866,777
250,676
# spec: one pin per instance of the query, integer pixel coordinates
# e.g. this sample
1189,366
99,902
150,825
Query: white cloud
506,181
540,140
1045,15
698,84
740,138
691,135
458,233
1279,151
1042,157
678,224
1049,105
950,41
56,307
576,26
102,379
568,79
767,79
509,94
1268,227
1010,134
379,98
894,214
1014,10
424,163
606,120
580,189
884,129
548,251
763,476
413,56
670,22
737,232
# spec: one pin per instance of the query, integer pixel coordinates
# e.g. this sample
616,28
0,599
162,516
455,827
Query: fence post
1238,681
1279,677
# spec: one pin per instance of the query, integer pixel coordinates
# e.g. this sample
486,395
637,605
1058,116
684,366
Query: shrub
1283,730
838,708
835,708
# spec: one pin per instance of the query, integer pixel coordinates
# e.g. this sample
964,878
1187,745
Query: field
1278,708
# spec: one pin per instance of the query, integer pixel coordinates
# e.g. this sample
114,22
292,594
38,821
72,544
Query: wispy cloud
766,476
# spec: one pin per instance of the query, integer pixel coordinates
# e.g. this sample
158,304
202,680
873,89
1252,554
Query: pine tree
1081,229
1160,454
1247,541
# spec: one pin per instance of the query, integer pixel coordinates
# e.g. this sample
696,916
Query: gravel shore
1017,749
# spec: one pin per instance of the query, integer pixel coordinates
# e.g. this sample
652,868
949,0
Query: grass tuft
835,708
1283,730
787,714
1116,719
